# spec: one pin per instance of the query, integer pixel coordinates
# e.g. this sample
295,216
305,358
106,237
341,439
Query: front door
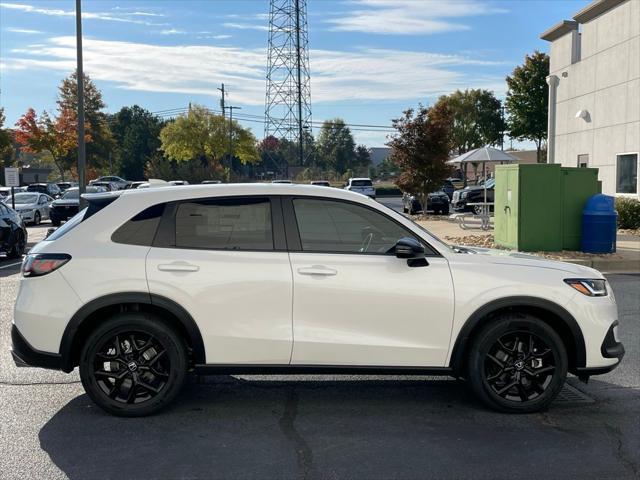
220,262
355,303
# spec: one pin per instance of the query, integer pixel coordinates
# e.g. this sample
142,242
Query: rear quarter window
141,229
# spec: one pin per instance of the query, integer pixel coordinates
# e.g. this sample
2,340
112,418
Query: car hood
66,203
505,257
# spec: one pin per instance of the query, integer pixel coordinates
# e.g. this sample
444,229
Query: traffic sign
11,177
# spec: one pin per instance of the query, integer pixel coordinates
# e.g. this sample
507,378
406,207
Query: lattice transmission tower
288,102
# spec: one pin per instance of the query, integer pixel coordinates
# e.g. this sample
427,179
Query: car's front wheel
36,218
133,365
517,363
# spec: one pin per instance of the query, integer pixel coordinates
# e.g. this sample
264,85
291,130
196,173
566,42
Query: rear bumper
24,355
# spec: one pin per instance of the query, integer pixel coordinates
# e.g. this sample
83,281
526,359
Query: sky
369,59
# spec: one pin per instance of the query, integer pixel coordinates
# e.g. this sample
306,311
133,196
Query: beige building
594,93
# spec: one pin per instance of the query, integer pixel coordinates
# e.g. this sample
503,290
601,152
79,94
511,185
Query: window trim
633,195
295,242
166,233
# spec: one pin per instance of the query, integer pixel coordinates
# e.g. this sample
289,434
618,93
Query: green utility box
538,207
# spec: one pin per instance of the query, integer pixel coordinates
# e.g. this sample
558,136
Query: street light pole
82,160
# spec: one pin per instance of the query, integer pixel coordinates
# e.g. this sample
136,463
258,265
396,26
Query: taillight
40,264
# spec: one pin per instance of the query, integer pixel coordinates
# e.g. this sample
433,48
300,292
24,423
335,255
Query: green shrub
388,191
628,212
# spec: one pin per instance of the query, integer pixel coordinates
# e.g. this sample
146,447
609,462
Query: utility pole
82,159
231,109
299,89
502,127
222,107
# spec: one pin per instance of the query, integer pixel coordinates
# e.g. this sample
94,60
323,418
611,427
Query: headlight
464,194
589,287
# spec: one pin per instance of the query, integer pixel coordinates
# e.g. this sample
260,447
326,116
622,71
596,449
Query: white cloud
245,26
120,16
26,31
172,31
410,17
364,74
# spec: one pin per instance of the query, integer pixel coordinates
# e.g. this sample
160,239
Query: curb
618,266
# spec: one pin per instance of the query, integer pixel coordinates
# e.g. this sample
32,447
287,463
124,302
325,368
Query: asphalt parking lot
320,426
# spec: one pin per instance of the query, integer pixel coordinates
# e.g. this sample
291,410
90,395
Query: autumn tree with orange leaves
57,135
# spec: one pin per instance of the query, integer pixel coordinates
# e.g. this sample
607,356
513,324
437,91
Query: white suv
146,285
363,186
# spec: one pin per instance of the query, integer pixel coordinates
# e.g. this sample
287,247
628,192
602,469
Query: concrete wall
606,83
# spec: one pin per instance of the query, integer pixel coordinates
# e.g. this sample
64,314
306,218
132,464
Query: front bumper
27,216
610,348
24,355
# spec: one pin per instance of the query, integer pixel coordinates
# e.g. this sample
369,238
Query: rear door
355,303
225,261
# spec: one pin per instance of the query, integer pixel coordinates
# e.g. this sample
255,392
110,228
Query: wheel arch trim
463,339
116,299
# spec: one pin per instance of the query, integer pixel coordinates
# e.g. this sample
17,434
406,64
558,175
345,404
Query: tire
405,209
36,218
504,374
55,221
18,246
477,210
132,384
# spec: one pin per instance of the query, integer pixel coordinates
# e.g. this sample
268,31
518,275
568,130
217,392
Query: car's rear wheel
19,244
36,218
517,363
133,365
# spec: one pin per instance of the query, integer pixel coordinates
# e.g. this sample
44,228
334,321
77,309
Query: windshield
71,194
22,198
361,183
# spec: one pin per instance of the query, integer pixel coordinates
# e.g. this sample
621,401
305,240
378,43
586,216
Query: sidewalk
625,260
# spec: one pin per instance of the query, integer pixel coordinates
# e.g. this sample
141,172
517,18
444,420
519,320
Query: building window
627,173
583,160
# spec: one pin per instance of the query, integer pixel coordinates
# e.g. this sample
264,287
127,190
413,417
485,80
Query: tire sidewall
170,340
487,338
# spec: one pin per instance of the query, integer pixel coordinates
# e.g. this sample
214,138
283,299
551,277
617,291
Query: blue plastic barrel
599,219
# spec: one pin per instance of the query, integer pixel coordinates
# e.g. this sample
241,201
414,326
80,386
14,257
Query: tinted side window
329,226
229,224
141,229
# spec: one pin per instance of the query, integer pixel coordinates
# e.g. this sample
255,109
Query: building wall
605,82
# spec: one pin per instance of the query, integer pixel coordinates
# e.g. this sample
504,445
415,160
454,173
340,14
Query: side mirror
409,248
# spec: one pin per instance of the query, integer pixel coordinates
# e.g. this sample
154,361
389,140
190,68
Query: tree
336,147
362,157
6,143
57,136
421,149
204,136
137,135
476,117
528,100
96,120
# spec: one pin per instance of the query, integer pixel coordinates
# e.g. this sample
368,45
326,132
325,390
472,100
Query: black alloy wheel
517,363
133,365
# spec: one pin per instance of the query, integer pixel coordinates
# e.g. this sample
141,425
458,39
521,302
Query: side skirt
235,369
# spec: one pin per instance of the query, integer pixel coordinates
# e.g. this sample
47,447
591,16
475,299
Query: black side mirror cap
409,248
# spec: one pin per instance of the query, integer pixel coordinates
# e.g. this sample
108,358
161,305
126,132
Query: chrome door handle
317,270
178,267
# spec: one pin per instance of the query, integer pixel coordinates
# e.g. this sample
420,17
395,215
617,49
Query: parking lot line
10,265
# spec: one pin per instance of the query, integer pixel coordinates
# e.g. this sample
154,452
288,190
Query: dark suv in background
436,201
473,194
66,207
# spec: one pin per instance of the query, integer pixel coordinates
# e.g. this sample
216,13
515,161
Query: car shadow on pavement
254,427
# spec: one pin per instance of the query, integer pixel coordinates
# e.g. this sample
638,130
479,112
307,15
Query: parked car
363,186
109,186
473,194
321,183
13,233
64,186
448,188
456,182
134,185
211,182
6,191
120,182
66,207
50,189
281,181
436,201
178,182
33,207
162,260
